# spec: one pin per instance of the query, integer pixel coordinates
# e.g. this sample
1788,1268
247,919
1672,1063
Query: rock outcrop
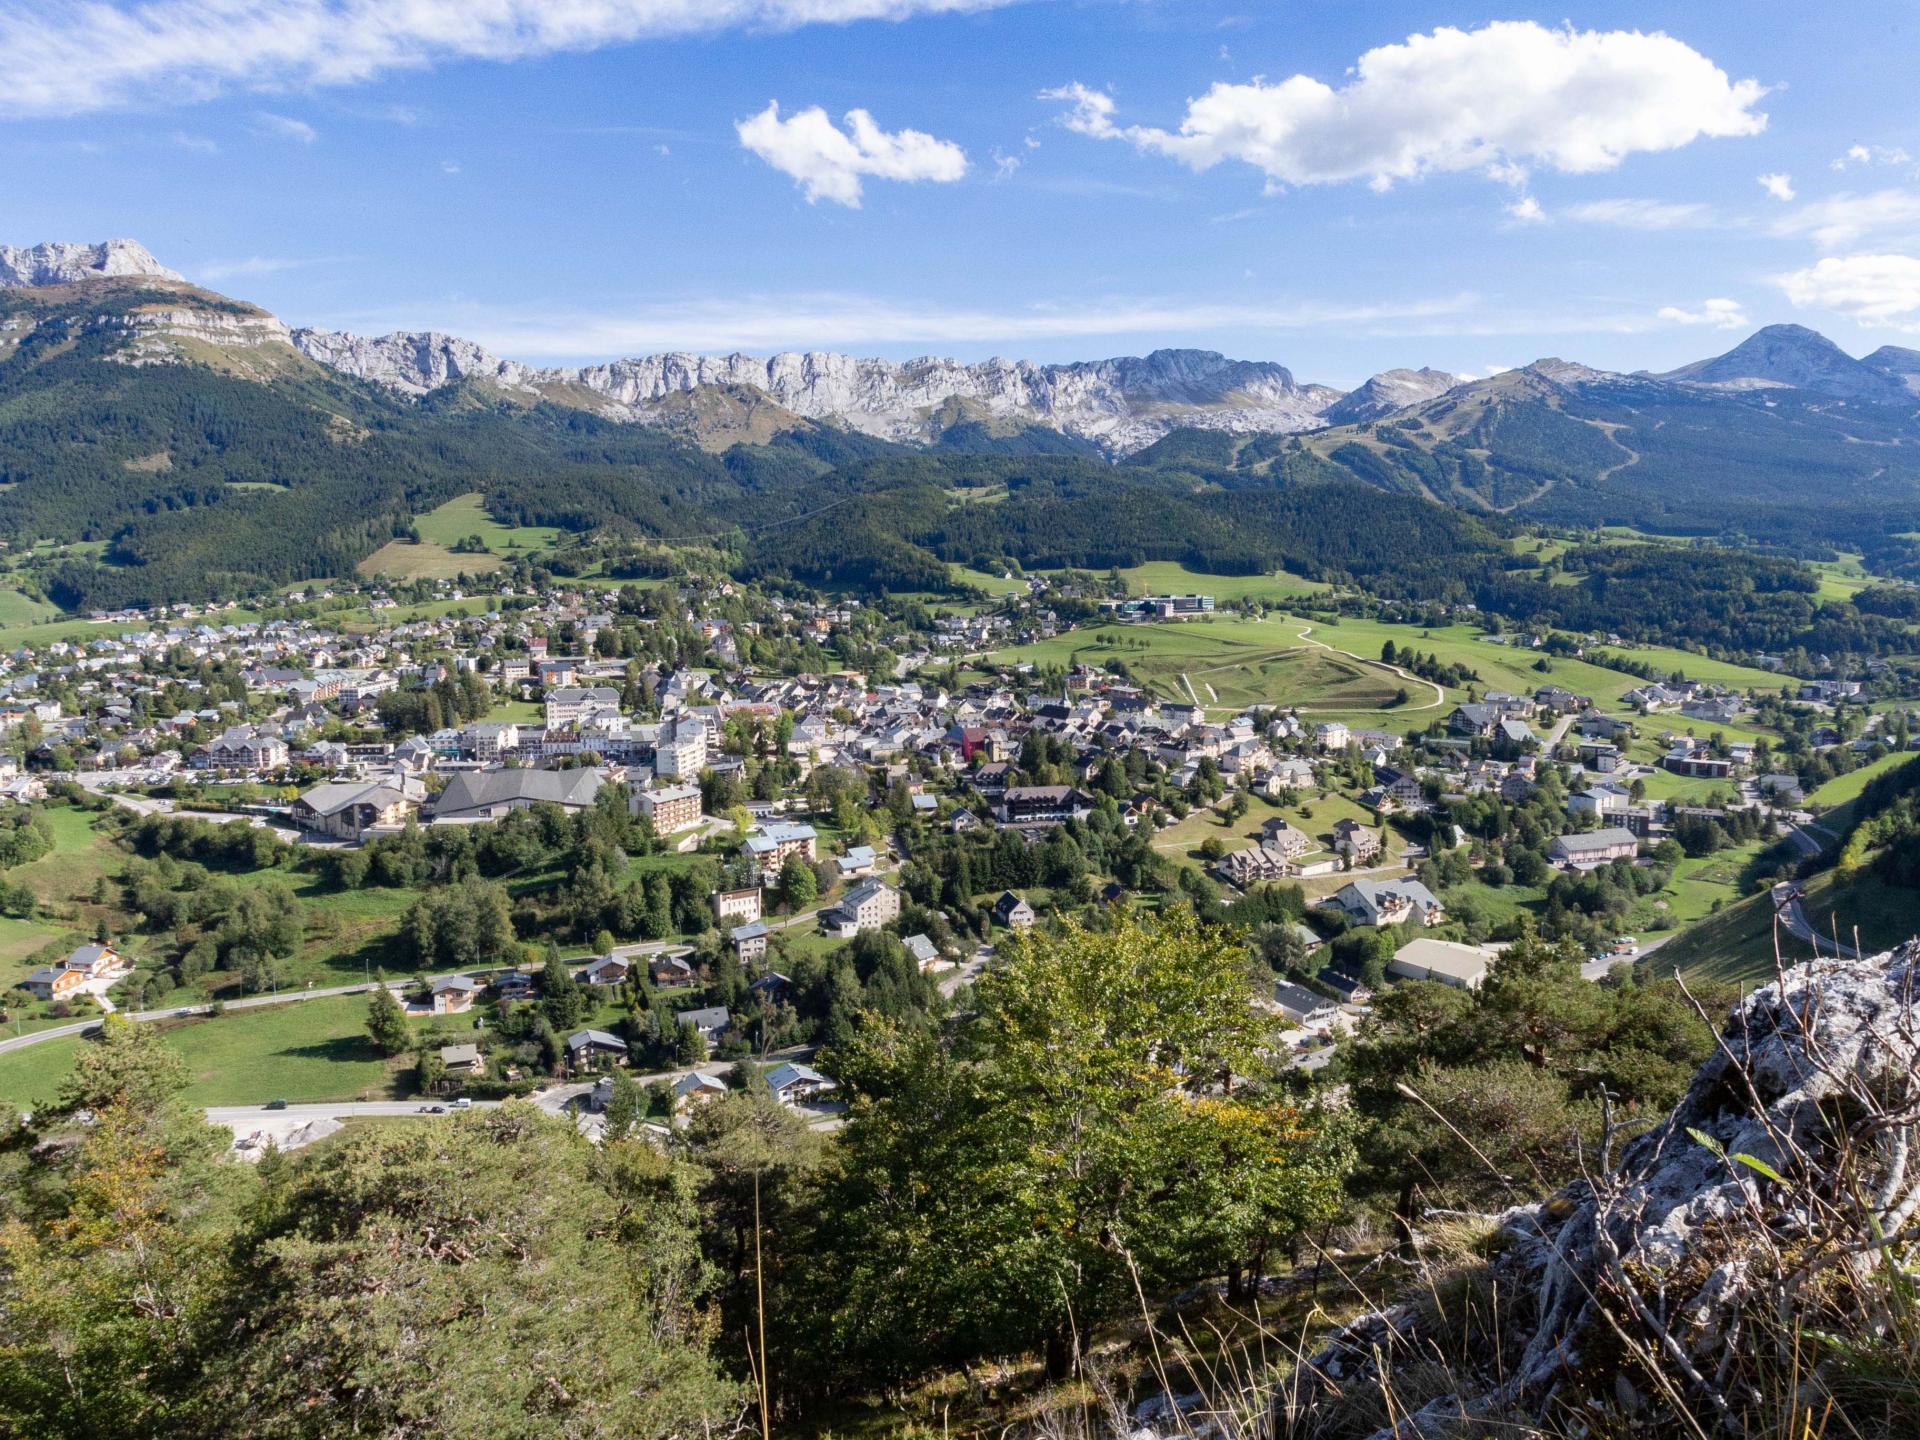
60,262
1792,1152
1121,404
1387,392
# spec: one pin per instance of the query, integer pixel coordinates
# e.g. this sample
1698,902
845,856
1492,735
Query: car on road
463,1103
276,1105
431,1110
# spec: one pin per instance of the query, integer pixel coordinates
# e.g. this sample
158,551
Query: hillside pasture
1224,665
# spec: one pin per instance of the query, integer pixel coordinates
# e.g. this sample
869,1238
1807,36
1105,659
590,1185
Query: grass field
19,609
1833,801
1168,577
440,529
1223,664
305,1050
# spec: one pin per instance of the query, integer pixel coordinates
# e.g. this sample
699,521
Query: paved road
1786,904
176,1012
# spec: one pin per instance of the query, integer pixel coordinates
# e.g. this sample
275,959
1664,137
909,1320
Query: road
178,1012
1786,905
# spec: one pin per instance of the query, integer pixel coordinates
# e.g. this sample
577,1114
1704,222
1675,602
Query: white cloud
1871,155
830,163
1642,214
450,167
1720,314
1844,218
1778,185
1005,166
283,127
1873,289
198,143
1527,210
65,57
253,266
1512,94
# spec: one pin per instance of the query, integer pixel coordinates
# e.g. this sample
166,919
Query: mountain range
206,446
1117,406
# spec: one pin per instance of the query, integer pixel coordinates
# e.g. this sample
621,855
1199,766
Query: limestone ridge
64,263
1120,404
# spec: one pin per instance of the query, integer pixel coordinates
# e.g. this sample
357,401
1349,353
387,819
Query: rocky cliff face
1120,404
64,263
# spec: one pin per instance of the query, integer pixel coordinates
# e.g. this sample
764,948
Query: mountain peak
1793,356
1387,392
65,262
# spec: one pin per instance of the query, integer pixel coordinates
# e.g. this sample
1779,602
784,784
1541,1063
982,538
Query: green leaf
1702,1138
1755,1163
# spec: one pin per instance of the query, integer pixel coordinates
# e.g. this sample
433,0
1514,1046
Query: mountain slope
1386,392
1793,357
64,263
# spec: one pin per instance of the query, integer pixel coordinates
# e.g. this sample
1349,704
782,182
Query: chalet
1389,902
242,748
711,1021
462,1059
606,970
697,1089
924,952
1302,1006
590,1049
1013,912
349,810
1289,840
795,1084
1477,720
670,970
453,995
1355,841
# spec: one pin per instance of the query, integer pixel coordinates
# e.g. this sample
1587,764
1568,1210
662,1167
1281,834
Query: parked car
276,1105
463,1103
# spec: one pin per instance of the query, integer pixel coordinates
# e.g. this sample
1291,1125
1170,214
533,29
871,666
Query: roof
711,1017
460,1054
1605,839
1297,999
477,789
461,983
85,955
752,931
1465,964
794,1073
921,948
581,1039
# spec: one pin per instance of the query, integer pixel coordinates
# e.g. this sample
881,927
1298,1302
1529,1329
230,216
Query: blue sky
570,180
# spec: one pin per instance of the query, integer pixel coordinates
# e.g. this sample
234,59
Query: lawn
64,880
303,1050
1839,793
1169,577
440,529
19,609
